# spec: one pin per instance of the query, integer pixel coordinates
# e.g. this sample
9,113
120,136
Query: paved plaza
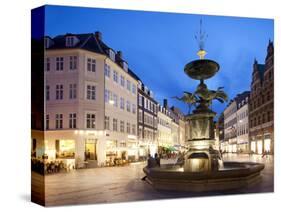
121,184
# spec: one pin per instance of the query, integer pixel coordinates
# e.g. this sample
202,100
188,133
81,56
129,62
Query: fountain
203,168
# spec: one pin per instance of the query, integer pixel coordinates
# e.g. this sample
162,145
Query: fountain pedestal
201,155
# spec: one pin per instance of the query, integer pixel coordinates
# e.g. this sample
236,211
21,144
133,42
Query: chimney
98,35
165,103
120,54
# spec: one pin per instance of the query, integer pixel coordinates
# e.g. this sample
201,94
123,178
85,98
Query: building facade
229,143
236,127
178,118
262,105
90,103
243,122
220,129
147,121
164,134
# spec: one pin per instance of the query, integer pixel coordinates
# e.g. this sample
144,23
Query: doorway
91,149
259,146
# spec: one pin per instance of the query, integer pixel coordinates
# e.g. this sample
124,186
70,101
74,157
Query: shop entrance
259,147
91,149
253,146
267,145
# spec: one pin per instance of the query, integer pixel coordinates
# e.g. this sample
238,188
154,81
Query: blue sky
157,45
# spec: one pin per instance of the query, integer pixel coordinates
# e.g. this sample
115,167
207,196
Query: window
140,116
72,120
134,108
268,96
134,88
112,54
115,100
48,64
122,103
65,148
72,91
91,120
106,95
59,121
114,124
91,65
91,92
47,92
69,41
115,76
47,42
146,104
268,116
128,85
72,62
263,118
107,70
133,129
122,126
106,122
128,106
122,81
270,75
59,91
125,66
140,100
59,63
140,133
128,128
47,122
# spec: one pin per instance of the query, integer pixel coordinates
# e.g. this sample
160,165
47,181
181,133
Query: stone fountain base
233,175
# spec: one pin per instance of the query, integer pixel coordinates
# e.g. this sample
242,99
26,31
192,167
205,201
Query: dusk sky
157,45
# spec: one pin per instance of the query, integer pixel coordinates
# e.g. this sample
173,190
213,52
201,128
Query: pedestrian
151,162
157,159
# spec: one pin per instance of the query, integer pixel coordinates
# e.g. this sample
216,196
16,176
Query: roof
242,96
261,68
90,42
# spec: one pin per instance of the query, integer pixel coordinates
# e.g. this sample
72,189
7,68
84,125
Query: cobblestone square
123,184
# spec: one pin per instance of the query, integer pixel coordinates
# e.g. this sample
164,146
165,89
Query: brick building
262,105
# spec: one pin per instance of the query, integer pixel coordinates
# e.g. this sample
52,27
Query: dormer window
125,66
112,54
70,41
48,42
151,94
146,90
139,84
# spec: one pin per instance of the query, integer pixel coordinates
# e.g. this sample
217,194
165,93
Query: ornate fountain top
203,68
200,37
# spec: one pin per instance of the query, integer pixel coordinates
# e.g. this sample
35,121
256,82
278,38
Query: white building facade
243,125
230,128
90,103
236,125
164,138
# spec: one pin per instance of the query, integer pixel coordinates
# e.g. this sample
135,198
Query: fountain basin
233,175
201,69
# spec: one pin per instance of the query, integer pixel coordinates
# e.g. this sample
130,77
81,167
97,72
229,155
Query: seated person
151,162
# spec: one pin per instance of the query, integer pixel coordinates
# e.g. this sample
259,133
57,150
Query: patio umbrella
172,148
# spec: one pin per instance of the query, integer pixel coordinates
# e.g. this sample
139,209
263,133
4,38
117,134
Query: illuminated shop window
65,148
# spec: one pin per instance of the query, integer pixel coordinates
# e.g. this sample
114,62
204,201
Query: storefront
268,143
91,149
259,147
242,148
253,146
